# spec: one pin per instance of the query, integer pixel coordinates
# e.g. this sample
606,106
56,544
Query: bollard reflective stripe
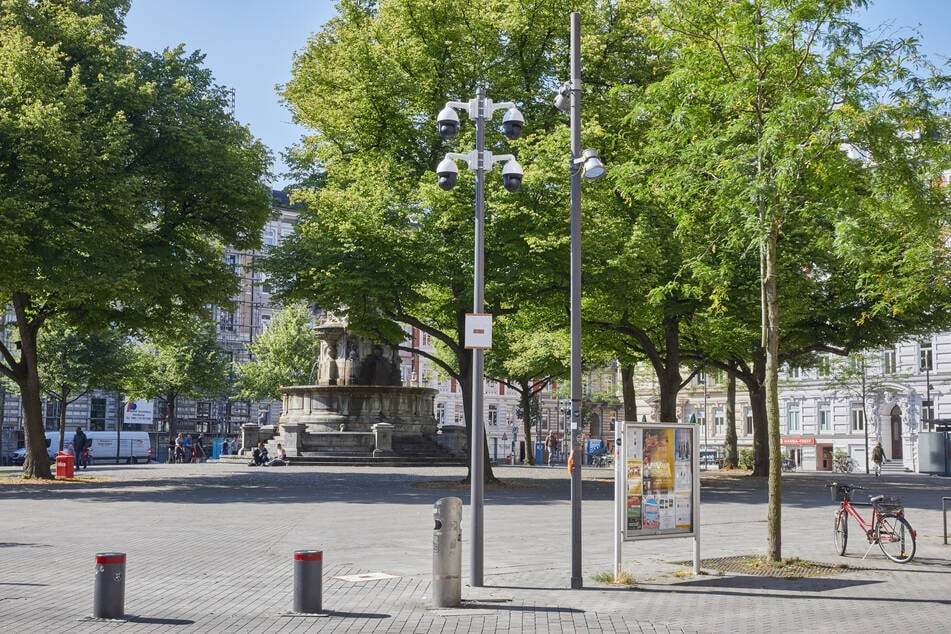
309,555
110,558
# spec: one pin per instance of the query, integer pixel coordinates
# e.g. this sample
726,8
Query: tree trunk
465,382
756,386
37,463
628,395
771,341
730,452
668,377
525,398
62,400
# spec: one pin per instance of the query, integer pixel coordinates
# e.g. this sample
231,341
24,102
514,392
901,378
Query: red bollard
109,599
308,581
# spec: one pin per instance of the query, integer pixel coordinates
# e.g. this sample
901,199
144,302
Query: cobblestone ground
210,549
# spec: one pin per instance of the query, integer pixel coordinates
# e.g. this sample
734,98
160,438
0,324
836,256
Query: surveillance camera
512,176
512,123
448,172
447,123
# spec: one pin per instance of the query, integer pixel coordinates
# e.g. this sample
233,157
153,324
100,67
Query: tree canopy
122,176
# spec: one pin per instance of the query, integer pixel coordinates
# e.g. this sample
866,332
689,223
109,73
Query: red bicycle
888,527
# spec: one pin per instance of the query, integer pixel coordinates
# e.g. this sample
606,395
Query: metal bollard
109,599
308,581
447,553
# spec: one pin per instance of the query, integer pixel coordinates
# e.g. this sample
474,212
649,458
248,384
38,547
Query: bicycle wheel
841,531
895,538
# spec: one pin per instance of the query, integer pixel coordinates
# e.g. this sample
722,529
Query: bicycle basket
889,505
841,492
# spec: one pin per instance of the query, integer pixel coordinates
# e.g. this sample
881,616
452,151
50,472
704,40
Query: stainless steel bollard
447,553
308,581
109,598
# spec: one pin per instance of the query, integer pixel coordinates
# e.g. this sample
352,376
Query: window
493,414
226,320
794,372
925,359
441,413
793,422
824,414
749,421
927,414
457,418
858,418
719,422
52,414
825,366
889,362
701,418
97,414
231,261
270,237
265,321
203,409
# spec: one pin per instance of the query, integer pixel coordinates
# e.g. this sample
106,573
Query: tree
73,363
380,242
187,363
749,126
286,353
527,359
122,175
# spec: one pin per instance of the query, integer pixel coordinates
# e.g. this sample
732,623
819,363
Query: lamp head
512,123
448,172
447,123
591,165
512,176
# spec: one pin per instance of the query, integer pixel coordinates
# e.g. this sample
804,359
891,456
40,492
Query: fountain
358,409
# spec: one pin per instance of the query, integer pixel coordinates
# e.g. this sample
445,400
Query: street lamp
479,161
583,163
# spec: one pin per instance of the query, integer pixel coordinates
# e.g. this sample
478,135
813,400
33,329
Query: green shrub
747,459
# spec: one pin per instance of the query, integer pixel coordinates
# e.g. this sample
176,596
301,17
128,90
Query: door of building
896,433
825,456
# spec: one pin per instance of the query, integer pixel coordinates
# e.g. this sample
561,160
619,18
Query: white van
134,446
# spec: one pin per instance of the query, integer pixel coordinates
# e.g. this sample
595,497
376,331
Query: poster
660,479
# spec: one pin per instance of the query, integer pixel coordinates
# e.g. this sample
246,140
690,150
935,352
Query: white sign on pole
139,412
478,330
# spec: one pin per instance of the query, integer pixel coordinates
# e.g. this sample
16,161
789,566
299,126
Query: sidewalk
210,549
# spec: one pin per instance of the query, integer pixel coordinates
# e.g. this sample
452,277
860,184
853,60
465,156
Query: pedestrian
188,448
179,448
199,448
79,447
235,446
224,447
551,443
280,459
878,457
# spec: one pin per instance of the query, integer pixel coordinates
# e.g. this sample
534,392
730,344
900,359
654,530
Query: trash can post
308,581
447,553
109,596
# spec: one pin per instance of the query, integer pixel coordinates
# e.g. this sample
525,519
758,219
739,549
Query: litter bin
64,465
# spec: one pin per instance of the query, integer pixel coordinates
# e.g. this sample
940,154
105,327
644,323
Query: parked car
19,456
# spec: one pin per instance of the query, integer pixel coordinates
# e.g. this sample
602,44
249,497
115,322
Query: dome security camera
447,123
448,172
512,123
512,176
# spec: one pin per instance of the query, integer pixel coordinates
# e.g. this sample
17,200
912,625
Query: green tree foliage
73,363
122,175
186,362
745,140
380,242
287,353
527,359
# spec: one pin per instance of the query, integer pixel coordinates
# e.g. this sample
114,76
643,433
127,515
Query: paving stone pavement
210,549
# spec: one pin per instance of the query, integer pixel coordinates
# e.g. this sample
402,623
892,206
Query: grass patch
623,579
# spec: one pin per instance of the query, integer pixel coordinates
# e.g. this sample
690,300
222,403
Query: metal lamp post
583,163
479,161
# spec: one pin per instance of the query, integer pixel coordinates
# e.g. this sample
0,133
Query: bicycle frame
867,527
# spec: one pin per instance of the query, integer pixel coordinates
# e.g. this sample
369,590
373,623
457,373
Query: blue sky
249,45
